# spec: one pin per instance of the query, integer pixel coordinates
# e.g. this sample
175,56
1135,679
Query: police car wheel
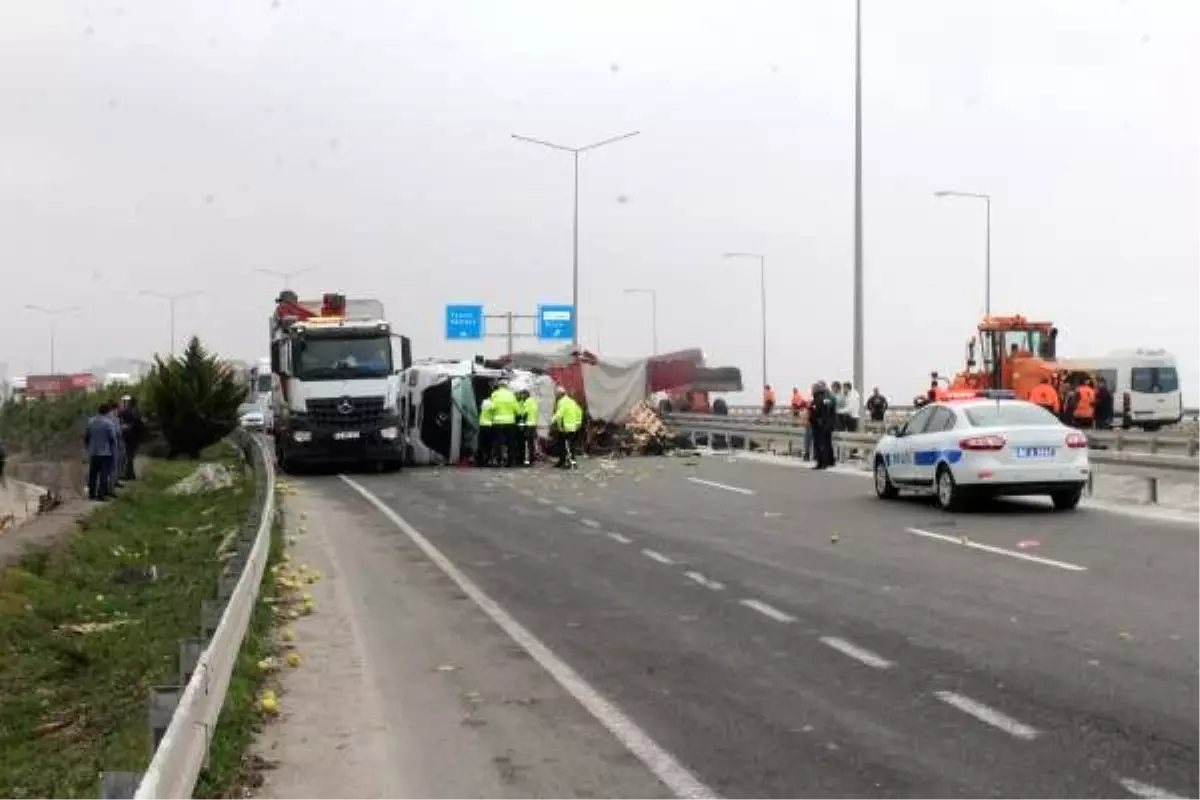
945,490
884,487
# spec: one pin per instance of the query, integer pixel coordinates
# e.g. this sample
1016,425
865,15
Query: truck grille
345,412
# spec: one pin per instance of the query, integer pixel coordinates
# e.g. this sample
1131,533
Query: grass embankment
84,635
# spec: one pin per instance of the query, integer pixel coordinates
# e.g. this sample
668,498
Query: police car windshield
996,415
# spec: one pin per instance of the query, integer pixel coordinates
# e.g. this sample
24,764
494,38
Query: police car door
929,444
900,465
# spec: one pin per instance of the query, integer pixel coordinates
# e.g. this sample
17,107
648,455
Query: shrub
193,399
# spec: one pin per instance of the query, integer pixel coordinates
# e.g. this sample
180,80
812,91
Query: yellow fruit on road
294,660
293,614
308,599
265,665
268,703
302,568
288,634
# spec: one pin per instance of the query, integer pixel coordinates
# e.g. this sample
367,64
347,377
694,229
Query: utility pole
171,298
54,314
858,201
987,241
510,332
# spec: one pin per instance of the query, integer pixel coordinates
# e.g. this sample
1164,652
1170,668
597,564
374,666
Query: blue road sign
464,322
556,323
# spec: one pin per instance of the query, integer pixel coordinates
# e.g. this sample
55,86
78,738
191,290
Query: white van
1144,384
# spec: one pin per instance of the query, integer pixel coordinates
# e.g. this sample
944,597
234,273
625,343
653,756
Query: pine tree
194,399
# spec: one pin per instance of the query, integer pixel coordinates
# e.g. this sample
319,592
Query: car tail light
1076,440
982,443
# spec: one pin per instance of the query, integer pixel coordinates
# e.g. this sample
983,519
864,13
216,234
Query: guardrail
1119,440
207,663
1192,414
1151,466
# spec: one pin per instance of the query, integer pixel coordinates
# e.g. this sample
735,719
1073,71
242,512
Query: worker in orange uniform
799,404
768,399
1085,406
1044,395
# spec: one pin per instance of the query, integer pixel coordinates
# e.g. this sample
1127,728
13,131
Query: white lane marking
1000,551
564,510
724,486
770,611
546,501
1146,790
616,537
856,652
989,715
654,555
707,583
527,492
591,523
664,766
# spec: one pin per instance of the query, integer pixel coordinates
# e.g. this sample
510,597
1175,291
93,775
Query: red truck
50,386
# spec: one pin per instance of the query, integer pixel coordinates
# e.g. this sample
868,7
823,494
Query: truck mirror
275,360
405,352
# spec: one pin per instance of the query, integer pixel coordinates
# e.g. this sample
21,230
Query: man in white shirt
853,407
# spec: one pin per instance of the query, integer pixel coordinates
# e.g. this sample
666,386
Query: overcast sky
177,145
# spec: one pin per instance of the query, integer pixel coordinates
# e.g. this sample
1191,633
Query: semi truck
335,384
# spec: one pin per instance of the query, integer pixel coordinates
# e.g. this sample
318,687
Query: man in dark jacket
1104,405
133,428
877,405
100,439
823,417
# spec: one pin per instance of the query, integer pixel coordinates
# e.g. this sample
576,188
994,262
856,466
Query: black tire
394,465
1067,499
884,488
946,493
720,407
1151,427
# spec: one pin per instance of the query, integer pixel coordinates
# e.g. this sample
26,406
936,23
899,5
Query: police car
983,444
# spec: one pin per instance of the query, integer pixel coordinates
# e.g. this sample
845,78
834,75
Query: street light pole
575,151
54,314
858,201
171,298
762,281
987,241
285,275
653,314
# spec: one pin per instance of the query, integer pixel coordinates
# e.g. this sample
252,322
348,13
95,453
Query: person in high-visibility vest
1085,405
504,424
799,404
527,424
485,449
768,400
1044,395
566,422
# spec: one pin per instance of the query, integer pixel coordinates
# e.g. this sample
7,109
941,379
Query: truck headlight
390,432
302,436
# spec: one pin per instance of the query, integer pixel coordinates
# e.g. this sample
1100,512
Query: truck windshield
338,359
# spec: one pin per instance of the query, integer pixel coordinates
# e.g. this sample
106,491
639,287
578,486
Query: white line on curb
856,652
1000,551
654,555
724,486
664,766
1148,791
989,715
707,583
770,611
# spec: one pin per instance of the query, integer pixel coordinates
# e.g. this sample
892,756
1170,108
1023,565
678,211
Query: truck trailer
335,387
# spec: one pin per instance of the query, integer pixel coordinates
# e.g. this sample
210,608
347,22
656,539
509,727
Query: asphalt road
776,632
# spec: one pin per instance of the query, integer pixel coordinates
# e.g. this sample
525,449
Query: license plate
343,435
1035,452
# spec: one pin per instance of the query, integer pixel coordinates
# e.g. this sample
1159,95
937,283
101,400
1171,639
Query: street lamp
653,314
762,276
575,151
286,275
54,314
987,244
858,203
171,298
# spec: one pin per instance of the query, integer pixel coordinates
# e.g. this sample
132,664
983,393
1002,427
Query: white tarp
614,388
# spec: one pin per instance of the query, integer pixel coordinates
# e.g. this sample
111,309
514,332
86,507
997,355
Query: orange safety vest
798,401
768,396
1085,407
1044,395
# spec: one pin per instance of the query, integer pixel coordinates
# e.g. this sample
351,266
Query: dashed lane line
988,715
1000,551
654,555
662,763
546,501
766,610
1148,791
724,486
616,537
707,583
591,523
570,512
857,653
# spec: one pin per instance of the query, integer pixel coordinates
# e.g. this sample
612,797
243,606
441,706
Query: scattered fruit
294,660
